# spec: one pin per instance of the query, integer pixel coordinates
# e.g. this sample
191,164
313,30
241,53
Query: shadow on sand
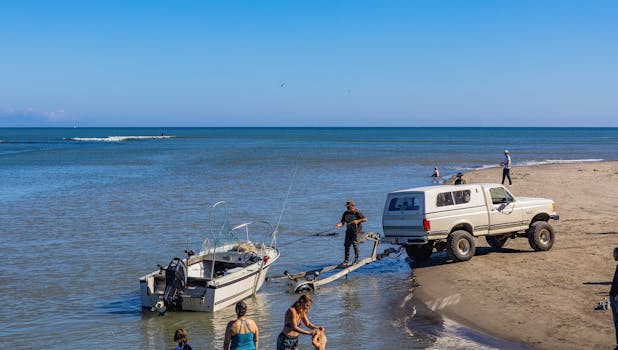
441,258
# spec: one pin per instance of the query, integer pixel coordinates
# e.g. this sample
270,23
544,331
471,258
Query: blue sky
309,63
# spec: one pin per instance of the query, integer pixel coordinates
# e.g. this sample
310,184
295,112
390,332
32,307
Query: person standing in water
242,333
297,313
506,167
353,220
436,175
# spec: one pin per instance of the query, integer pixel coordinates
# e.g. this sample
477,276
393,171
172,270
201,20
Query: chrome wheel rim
544,236
463,246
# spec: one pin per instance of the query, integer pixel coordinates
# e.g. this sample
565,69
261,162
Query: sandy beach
545,300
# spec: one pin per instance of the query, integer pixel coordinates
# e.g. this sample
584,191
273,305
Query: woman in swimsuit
297,313
242,333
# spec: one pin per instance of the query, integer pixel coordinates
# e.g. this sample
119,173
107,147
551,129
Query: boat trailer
309,281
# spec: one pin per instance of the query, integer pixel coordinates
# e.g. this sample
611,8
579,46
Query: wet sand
545,300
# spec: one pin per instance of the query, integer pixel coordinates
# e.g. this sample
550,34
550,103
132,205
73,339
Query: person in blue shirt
182,338
242,333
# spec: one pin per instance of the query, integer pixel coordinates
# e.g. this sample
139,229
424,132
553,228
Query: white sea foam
117,138
562,161
534,162
456,336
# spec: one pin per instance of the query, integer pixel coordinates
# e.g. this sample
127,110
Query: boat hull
203,294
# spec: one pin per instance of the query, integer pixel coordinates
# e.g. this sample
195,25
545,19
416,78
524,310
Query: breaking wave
534,162
116,138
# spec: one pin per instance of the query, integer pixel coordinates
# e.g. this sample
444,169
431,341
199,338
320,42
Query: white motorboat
229,267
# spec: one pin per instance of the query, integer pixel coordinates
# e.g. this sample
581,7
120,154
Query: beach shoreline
544,300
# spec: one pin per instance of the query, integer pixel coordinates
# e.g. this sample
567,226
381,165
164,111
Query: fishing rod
285,200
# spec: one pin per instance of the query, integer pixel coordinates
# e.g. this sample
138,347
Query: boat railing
244,231
205,246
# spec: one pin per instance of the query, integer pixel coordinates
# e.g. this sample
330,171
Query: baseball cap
349,203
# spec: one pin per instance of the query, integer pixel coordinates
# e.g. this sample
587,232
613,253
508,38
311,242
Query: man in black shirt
613,292
353,219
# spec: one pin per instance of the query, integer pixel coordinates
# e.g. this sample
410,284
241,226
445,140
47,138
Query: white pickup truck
450,216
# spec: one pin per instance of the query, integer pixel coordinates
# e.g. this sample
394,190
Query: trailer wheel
497,242
460,246
541,236
304,287
420,252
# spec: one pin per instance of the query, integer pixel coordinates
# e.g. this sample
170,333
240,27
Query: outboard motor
175,283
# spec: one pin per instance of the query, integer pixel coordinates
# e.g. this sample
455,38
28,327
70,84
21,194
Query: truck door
505,216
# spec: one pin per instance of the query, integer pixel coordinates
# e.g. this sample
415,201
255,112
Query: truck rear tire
497,242
541,236
420,252
460,246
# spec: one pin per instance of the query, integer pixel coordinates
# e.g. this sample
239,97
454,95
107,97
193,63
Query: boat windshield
223,233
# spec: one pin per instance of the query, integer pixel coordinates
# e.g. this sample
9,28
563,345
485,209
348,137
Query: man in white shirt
506,167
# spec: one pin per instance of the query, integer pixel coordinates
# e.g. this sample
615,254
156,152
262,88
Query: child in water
319,339
182,338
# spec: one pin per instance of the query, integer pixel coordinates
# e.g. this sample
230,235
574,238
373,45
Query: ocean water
84,212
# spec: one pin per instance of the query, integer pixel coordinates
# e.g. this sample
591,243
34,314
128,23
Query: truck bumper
405,240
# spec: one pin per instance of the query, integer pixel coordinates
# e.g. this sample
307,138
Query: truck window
403,203
499,195
461,197
444,199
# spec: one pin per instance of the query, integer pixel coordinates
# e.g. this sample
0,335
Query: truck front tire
497,242
420,252
460,246
541,236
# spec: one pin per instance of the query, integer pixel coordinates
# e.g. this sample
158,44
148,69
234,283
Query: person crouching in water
297,313
459,180
353,219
